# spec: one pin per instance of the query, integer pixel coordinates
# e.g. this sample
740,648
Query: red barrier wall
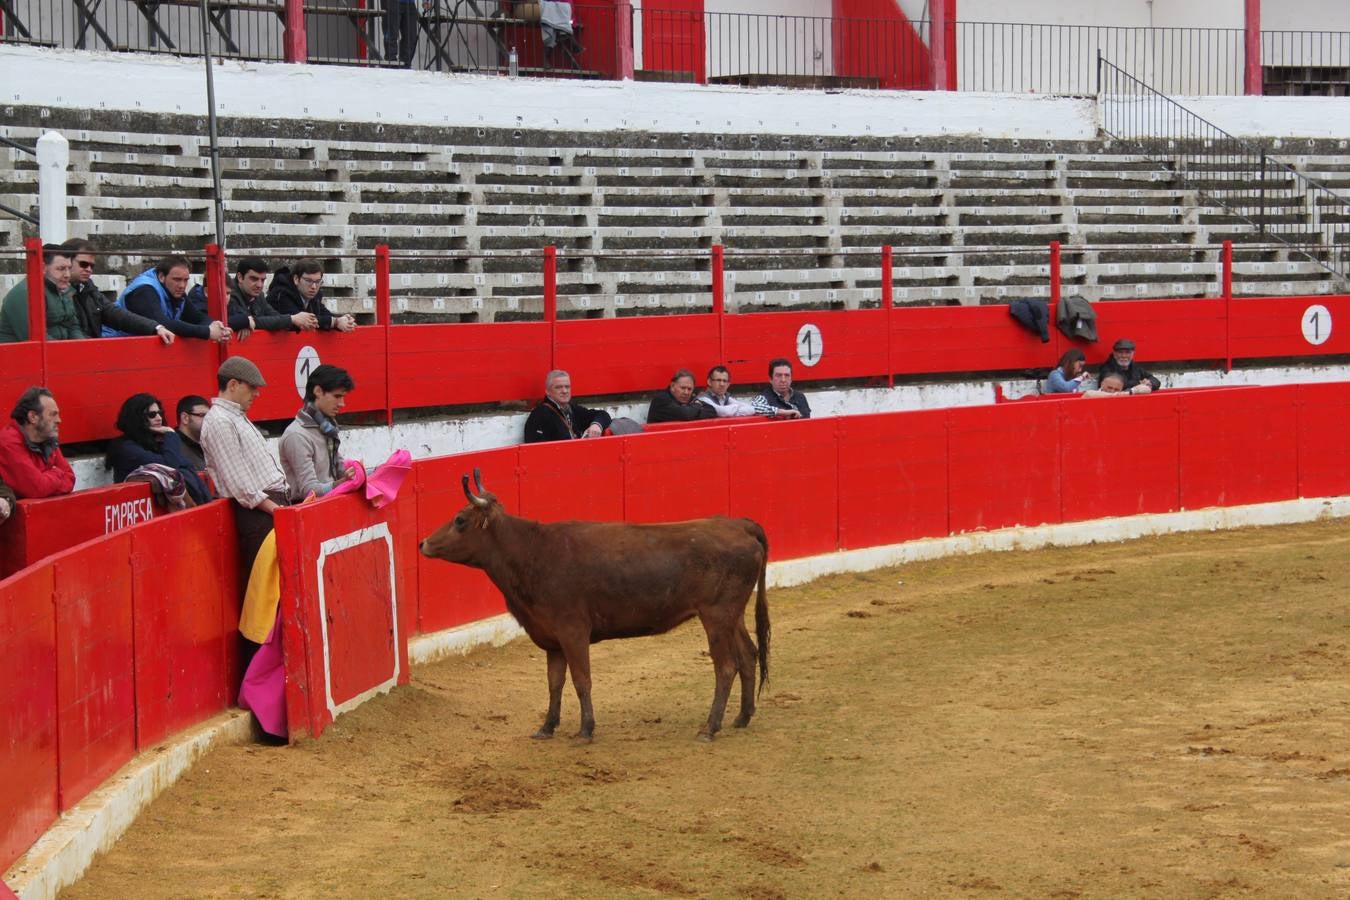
39,528
459,364
100,654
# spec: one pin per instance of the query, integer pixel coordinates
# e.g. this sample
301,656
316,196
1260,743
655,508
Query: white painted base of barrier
93,826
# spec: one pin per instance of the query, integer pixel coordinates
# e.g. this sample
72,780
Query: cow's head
464,537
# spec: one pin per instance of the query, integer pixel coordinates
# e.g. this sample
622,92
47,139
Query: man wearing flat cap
1121,362
242,467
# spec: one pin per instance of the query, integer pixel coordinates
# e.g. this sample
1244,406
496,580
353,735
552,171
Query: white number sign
1316,324
810,345
306,361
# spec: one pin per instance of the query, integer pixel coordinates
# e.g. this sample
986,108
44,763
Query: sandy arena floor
1166,718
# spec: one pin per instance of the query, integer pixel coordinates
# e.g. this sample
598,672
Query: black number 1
1316,324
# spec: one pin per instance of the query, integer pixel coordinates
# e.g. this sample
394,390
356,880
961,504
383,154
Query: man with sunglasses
297,290
191,410
92,308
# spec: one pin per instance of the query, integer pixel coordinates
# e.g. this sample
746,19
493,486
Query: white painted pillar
53,158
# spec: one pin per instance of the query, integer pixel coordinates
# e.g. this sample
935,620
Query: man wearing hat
1121,362
237,457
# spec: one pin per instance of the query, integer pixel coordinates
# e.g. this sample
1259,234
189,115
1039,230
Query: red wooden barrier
1238,447
1323,440
436,365
892,478
1118,456
454,595
1003,468
40,528
845,344
786,478
96,709
347,604
185,613
676,475
29,800
614,356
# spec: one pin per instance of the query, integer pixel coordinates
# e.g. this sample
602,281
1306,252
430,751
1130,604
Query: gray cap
1124,344
241,369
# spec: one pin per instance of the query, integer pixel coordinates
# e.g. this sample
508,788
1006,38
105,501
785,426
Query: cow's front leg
579,661
557,675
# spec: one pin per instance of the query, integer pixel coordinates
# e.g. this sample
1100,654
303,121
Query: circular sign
1316,324
810,345
306,361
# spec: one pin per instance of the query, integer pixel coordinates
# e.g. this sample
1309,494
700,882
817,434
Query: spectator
1121,360
297,291
7,501
1069,375
160,294
677,404
779,400
309,447
1111,385
238,459
31,462
400,31
246,299
62,323
191,411
558,418
146,439
94,309
717,396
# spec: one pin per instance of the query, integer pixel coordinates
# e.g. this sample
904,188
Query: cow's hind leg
722,646
557,675
745,663
579,661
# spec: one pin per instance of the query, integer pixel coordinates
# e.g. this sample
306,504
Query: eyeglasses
154,414
85,263
312,282
196,415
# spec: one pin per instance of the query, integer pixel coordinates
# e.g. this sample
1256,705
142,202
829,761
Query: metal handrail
1282,203
31,151
9,210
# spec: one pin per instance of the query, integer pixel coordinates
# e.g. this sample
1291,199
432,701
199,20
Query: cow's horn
478,481
473,498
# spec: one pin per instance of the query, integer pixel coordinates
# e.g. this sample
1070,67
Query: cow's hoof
542,735
582,737
741,722
705,736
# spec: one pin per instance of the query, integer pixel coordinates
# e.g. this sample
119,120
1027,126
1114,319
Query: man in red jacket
30,456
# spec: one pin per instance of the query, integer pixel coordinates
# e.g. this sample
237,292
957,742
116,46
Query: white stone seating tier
802,225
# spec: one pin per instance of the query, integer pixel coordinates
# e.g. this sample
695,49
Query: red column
1228,305
1252,82
37,297
937,47
719,301
217,291
294,43
623,40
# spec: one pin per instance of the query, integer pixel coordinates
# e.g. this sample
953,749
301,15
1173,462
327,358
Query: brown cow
571,584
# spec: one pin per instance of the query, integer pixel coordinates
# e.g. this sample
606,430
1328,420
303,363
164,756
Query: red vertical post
1228,305
719,301
888,304
293,40
937,47
1252,82
623,40
551,302
217,291
384,316
950,44
37,297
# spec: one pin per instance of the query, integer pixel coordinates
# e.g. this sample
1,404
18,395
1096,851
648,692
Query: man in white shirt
716,396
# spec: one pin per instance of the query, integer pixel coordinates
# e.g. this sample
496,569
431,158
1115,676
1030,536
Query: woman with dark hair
1068,376
146,439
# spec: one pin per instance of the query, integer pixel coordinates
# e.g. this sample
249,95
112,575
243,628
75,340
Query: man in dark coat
1121,362
557,418
677,404
92,308
297,290
246,298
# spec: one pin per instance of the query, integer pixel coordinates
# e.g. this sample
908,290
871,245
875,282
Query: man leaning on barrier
297,290
718,395
677,404
246,299
558,418
160,294
61,322
1121,362
779,400
93,309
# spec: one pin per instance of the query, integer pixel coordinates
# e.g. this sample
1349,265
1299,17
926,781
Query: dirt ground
1166,717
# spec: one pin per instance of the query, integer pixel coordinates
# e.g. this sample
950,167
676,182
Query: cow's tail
761,605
